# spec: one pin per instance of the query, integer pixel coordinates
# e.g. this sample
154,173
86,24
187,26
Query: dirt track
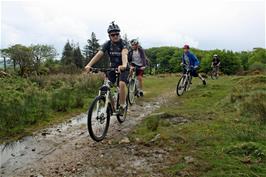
67,150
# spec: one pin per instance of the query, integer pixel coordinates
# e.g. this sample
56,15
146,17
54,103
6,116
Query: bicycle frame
133,86
105,90
134,76
104,106
215,72
215,69
187,77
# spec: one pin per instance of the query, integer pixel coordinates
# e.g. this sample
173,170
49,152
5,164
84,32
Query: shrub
25,102
61,100
257,66
79,101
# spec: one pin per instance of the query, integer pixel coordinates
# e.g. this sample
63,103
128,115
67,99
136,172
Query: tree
22,56
4,54
41,53
230,62
258,55
67,57
163,57
91,48
78,58
257,59
244,57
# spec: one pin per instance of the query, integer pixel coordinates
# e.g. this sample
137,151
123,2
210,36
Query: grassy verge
217,130
29,104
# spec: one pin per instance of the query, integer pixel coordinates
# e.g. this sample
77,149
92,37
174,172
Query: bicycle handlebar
187,67
96,70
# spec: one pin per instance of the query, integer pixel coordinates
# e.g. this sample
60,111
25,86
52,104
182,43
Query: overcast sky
210,24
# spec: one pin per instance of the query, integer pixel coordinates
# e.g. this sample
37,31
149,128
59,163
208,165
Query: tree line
41,59
168,59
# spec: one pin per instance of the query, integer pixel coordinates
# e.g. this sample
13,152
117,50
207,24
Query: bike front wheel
98,119
181,86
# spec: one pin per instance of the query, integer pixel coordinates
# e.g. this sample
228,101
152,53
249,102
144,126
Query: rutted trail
67,150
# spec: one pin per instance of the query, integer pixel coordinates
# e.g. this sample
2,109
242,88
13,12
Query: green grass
27,105
32,103
226,132
159,85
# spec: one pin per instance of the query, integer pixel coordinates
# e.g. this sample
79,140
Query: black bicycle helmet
113,28
134,42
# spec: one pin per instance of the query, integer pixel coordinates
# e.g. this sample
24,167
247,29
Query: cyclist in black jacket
216,63
117,50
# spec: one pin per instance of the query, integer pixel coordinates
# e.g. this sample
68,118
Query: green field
225,133
222,127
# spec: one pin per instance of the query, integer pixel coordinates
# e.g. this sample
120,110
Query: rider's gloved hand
195,67
132,68
121,68
181,64
88,68
142,68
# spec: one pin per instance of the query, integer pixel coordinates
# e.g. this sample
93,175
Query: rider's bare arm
94,60
124,58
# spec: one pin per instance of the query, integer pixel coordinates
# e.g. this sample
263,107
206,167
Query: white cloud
237,25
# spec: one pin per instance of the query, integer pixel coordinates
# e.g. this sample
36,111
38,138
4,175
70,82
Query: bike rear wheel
131,91
98,119
181,86
121,118
214,75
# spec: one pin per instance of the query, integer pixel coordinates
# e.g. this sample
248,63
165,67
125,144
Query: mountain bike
215,72
132,87
105,105
184,82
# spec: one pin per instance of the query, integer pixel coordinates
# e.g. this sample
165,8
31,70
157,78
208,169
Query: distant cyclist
216,63
117,50
138,60
192,61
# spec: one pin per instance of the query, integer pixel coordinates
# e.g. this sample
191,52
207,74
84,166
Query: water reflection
26,146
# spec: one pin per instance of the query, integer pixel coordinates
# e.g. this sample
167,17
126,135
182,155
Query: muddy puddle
33,147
